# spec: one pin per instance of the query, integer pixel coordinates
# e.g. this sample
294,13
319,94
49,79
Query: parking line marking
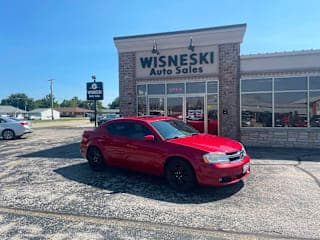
118,222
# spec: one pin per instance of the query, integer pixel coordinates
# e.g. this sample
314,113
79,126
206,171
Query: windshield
170,129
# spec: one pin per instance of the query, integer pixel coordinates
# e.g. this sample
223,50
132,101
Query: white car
11,128
33,117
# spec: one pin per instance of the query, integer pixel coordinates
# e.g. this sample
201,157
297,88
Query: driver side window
138,131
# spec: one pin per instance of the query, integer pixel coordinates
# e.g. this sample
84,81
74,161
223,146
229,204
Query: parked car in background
91,117
34,117
98,118
168,147
108,117
11,128
245,121
315,121
300,121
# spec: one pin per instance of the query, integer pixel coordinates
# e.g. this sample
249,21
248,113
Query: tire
8,134
180,175
95,159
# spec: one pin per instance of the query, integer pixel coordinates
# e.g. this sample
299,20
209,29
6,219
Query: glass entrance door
195,112
156,106
175,107
195,102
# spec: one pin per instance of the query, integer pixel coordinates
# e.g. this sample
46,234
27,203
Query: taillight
24,123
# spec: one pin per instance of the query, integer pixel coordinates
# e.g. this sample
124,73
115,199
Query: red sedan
165,146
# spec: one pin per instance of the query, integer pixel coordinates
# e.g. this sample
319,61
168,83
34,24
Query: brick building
198,76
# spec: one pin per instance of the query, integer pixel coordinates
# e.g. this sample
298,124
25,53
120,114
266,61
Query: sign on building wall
177,62
94,91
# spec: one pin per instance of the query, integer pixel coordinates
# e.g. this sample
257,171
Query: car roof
143,118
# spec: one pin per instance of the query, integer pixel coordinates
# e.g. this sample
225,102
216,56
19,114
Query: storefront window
256,85
314,83
314,106
290,83
175,88
196,87
256,110
284,106
141,90
256,102
156,89
212,87
290,109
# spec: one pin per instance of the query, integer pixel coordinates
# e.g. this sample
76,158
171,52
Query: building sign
177,62
94,91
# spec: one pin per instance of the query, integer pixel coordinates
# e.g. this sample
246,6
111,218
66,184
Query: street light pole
51,96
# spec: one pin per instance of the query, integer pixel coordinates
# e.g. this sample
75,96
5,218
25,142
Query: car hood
209,143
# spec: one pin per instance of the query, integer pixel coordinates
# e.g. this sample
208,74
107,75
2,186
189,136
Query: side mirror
149,138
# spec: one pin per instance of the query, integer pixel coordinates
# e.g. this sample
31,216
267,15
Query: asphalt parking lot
47,191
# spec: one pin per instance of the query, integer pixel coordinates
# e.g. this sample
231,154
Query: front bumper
83,149
222,174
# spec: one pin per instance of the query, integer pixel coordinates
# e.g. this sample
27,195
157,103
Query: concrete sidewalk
307,160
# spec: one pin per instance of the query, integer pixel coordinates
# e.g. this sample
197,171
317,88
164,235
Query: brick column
229,90
127,83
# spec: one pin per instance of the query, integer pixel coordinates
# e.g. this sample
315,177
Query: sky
70,40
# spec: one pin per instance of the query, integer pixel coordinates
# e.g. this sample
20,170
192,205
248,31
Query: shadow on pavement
124,181
66,151
293,154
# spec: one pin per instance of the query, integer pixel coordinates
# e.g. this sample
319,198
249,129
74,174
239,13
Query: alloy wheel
8,134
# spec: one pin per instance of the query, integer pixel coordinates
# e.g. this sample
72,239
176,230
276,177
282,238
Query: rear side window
128,129
2,120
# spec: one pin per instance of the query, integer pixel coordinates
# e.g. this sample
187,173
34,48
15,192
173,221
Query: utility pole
51,96
95,103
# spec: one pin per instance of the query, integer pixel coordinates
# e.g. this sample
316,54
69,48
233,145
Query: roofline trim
281,54
180,32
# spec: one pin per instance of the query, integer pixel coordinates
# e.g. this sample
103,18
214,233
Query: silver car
11,128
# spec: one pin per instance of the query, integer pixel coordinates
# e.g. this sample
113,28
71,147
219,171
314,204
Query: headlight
216,157
244,152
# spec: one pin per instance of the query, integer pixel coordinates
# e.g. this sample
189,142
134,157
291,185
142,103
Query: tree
19,100
76,102
73,102
45,102
115,103
90,105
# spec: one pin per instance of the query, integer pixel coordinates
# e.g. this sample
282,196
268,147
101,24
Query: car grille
236,156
